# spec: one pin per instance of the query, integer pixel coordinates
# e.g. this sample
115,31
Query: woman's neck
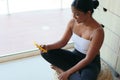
89,21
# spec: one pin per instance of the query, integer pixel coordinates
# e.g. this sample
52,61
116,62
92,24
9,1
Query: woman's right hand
42,48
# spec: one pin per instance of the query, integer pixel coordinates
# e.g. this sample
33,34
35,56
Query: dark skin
85,26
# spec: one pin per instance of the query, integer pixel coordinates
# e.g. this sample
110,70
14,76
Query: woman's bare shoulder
99,32
71,23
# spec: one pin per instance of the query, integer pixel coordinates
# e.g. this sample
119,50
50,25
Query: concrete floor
31,68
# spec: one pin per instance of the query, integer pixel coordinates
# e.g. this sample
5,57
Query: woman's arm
93,50
64,40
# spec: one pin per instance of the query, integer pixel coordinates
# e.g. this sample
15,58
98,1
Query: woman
87,35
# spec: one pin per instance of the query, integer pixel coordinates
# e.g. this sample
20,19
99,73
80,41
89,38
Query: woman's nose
74,16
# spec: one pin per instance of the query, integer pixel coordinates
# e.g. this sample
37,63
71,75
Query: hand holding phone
40,47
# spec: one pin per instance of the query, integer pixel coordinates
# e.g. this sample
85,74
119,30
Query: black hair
85,5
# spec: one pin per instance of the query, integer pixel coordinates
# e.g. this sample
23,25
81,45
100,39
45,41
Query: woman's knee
89,74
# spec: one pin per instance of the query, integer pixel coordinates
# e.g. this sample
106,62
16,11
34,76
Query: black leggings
65,59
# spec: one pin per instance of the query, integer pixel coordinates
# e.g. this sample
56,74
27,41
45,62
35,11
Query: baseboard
19,55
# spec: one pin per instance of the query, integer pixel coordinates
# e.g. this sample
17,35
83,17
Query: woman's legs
61,58
90,72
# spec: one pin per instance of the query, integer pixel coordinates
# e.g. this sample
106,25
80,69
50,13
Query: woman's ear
89,12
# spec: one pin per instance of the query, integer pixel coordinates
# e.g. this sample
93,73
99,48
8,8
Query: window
13,6
42,21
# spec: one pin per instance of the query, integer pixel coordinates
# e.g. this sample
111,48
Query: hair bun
95,3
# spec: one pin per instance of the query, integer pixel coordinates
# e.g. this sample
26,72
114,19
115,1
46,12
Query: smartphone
40,48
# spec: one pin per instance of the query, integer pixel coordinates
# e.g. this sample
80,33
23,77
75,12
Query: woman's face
79,16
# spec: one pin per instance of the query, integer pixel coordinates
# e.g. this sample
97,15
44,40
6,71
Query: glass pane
31,5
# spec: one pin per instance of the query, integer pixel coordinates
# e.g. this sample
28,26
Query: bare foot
58,70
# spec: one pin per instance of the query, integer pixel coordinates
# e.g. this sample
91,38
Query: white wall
110,50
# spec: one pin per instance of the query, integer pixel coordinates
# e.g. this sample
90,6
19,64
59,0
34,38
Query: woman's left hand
64,76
